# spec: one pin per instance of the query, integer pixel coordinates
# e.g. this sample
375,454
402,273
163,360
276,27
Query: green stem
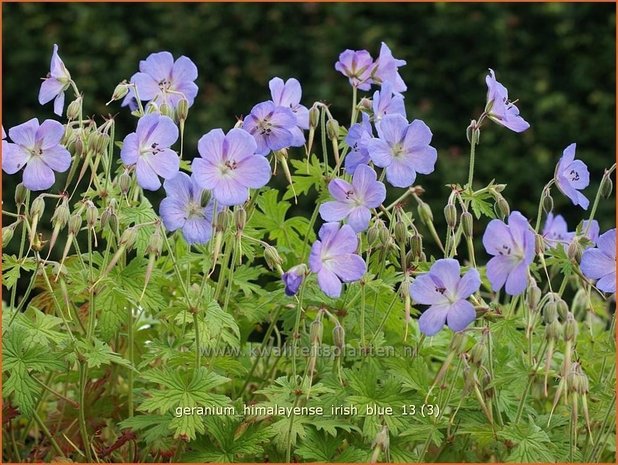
48,435
83,379
198,350
472,162
539,213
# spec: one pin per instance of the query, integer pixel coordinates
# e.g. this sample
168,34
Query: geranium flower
229,166
403,149
293,278
386,102
357,66
556,232
592,231
498,107
288,94
148,148
183,209
446,292
38,149
571,176
354,201
55,84
271,126
385,70
334,258
512,246
600,262
162,80
357,138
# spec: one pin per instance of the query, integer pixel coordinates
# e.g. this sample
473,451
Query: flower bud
570,328
120,91
550,312
293,278
7,235
450,214
533,297
92,215
38,207
473,133
607,186
553,331
416,246
563,308
205,198
467,223
401,232
240,218
61,216
100,142
20,194
128,237
478,353
499,187
314,117
339,336
332,129
272,257
425,213
539,244
155,243
166,110
458,343
182,109
577,379
124,182
75,224
501,207
365,105
575,250
548,201
385,235
223,220
74,109
580,301
373,234
315,331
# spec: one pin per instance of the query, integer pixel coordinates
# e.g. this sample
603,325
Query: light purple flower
148,148
386,102
353,201
385,71
512,246
38,149
288,95
592,231
334,258
357,66
357,138
600,262
556,232
229,166
162,80
403,149
271,126
182,209
57,81
446,292
293,278
571,176
499,108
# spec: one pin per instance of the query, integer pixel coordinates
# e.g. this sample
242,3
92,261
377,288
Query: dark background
557,59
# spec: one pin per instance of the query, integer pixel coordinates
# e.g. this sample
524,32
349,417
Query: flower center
194,210
152,150
165,85
398,150
227,167
265,127
574,175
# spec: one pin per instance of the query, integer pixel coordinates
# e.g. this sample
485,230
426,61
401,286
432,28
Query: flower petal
329,283
423,290
59,104
165,163
391,128
57,158
315,257
517,282
334,210
418,134
147,87
595,263
460,315
158,65
183,70
344,240
607,243
239,144
423,159
50,88
339,189
25,134
37,175
348,267
498,269
130,149
432,320
228,191
380,152
14,157
49,134
359,218
210,146
469,284
197,231
206,174
253,171
179,188
146,176
400,174
607,283
172,213
447,270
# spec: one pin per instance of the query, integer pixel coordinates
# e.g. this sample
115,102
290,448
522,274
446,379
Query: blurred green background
557,59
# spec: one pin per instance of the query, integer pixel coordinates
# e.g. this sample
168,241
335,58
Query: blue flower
571,176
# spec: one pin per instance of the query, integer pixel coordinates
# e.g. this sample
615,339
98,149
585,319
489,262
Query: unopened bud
124,182
570,328
416,246
450,214
240,218
501,207
74,109
315,331
155,243
499,187
458,343
182,109
477,353
580,301
101,142
128,237
75,224
553,331
550,312
577,379
7,235
166,110
20,194
607,186
425,213
401,232
467,224
272,257
92,215
575,250
120,91
385,235
339,336
332,129
38,207
539,244
314,117
366,105
533,297
61,216
373,234
473,133
548,201
563,308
